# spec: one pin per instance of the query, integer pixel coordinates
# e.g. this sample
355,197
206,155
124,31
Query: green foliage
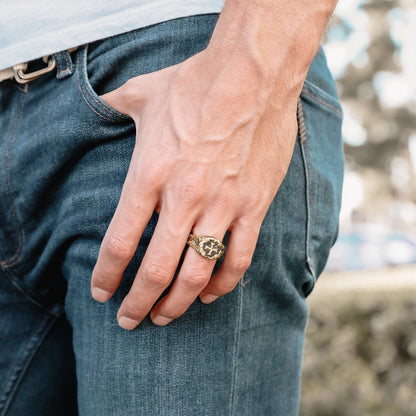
360,355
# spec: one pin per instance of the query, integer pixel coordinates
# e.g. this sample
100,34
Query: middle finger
156,270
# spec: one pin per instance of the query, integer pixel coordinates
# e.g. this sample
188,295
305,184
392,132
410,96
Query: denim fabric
64,156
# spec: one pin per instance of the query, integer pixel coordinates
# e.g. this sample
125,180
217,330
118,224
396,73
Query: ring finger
193,276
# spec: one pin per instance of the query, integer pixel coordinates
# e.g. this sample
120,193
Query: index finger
120,242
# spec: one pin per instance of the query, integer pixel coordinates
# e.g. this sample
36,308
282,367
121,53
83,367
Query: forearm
279,38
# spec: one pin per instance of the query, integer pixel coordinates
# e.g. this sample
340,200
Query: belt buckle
23,78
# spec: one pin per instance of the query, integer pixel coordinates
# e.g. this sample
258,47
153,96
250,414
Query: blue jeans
64,156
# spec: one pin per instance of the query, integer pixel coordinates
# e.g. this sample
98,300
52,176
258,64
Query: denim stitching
27,293
57,60
23,362
61,71
7,264
21,238
91,107
303,142
236,344
301,122
92,96
79,68
85,98
322,102
68,64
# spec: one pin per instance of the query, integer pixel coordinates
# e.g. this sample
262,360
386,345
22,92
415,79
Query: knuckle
151,177
195,281
118,249
156,275
129,90
129,84
253,207
239,265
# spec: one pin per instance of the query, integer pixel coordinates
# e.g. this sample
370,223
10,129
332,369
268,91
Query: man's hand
210,157
215,135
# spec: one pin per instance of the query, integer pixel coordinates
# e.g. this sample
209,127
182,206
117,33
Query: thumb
130,97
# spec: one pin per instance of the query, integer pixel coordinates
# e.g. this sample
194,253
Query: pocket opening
91,98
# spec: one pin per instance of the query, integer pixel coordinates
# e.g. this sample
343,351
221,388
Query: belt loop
64,65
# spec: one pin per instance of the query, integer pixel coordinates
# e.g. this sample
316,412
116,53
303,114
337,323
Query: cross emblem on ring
206,246
211,248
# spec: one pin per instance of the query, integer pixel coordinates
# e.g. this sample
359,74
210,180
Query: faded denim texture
64,155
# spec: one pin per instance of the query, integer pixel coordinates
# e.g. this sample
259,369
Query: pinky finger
240,250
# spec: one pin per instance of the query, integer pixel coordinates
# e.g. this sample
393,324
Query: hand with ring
214,142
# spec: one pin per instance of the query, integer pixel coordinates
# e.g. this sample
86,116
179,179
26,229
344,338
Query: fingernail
127,323
100,295
208,298
160,320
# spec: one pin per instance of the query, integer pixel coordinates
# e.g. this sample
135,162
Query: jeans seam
303,142
68,66
67,69
21,236
236,348
59,65
301,122
60,70
23,362
85,98
80,68
306,92
15,281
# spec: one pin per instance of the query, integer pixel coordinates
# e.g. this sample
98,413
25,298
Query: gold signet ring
208,247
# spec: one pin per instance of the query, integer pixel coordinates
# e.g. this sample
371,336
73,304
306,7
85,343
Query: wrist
275,39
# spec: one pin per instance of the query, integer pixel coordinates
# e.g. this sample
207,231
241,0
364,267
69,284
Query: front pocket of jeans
105,65
320,122
89,94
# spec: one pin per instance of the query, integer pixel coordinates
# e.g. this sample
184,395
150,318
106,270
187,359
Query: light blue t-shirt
30,29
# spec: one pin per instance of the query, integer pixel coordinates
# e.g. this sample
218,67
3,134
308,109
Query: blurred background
360,351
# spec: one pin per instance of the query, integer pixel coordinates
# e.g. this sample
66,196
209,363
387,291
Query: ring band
208,247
